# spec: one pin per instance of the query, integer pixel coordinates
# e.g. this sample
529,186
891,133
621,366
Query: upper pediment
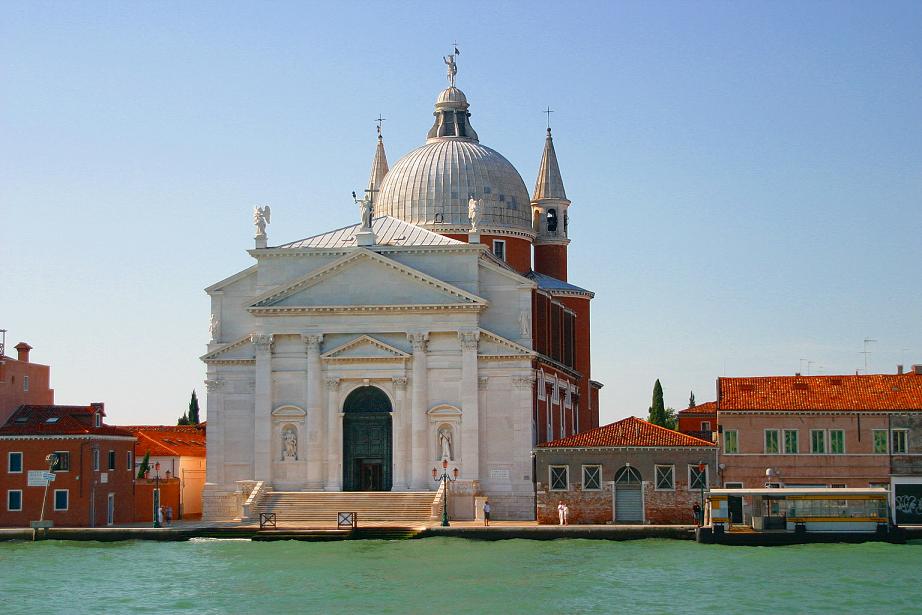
238,351
364,280
492,345
365,348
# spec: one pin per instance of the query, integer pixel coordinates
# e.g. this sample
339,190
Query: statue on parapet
261,217
474,213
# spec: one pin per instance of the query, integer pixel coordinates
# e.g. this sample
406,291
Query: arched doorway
628,496
367,440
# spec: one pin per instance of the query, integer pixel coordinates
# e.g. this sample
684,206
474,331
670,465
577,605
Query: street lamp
445,478
50,459
157,494
702,478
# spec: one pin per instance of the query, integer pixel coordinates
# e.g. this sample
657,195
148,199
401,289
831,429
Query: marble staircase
319,508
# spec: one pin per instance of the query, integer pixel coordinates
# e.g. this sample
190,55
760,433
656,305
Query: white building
360,358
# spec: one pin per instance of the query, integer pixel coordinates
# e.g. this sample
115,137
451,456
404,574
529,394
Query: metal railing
267,520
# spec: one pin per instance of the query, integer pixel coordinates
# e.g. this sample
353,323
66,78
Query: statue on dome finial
452,67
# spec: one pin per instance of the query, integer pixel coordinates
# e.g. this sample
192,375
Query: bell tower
549,216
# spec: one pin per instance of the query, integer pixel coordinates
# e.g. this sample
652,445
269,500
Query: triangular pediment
365,348
364,279
492,345
240,350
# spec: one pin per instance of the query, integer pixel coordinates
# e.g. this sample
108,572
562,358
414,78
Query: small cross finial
380,120
548,112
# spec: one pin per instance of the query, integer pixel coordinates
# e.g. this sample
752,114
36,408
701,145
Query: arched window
551,220
367,399
627,476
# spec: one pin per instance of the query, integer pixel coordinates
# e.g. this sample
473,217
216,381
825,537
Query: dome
431,186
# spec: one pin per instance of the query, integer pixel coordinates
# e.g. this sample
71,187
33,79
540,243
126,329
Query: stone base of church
220,505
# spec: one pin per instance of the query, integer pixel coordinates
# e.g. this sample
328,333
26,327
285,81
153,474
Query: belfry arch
367,440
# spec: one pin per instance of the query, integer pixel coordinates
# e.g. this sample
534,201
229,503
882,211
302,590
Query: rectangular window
836,441
14,465
705,425
592,478
499,249
817,441
559,478
665,478
771,441
98,420
96,460
900,441
698,479
731,441
25,383
790,442
61,499
130,465
63,462
111,460
880,441
14,500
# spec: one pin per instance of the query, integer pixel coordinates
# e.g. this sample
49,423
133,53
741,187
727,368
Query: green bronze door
367,440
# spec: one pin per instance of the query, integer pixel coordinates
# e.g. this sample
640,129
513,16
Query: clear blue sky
745,177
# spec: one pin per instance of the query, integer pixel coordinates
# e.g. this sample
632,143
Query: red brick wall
84,484
586,507
518,250
551,260
670,507
589,413
144,498
11,386
559,413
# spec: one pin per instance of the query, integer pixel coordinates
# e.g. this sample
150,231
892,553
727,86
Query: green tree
193,415
145,465
183,420
671,419
691,400
657,414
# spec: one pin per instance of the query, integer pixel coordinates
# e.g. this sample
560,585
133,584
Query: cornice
464,229
352,309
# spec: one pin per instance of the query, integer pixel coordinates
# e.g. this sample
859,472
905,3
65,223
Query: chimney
23,349
899,369
99,406
917,370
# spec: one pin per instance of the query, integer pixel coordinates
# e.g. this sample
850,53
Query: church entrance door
367,441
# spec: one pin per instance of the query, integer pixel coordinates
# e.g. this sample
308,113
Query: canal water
451,575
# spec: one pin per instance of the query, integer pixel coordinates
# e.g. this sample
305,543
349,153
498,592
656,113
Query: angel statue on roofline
261,217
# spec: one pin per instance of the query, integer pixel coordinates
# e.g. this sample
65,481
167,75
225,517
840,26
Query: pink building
22,382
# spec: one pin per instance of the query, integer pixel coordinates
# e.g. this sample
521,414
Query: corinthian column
214,453
419,406
316,456
401,429
262,407
470,406
334,437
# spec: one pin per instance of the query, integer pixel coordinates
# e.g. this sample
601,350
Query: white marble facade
434,323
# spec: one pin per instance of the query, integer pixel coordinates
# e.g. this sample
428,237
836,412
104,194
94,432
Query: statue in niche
289,443
445,443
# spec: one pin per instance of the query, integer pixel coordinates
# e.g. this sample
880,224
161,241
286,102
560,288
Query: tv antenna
867,352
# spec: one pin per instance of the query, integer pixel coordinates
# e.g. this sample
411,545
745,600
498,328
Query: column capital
262,341
332,383
214,385
312,341
523,381
400,382
420,341
482,382
469,339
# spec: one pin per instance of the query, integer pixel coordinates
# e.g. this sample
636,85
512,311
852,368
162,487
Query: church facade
363,357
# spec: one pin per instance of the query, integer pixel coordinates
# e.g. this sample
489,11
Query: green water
446,575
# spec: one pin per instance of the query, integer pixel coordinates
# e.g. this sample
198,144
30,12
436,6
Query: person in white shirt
486,512
562,512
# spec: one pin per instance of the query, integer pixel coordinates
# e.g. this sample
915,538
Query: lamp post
445,478
702,478
50,459
157,494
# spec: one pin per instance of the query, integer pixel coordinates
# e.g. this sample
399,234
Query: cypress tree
145,465
193,415
658,409
691,400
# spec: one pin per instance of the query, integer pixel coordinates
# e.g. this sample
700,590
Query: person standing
160,516
562,512
696,510
486,512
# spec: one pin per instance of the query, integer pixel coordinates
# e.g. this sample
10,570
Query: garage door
628,504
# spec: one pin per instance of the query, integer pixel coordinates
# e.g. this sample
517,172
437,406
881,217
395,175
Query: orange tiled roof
864,392
631,431
53,420
169,440
707,408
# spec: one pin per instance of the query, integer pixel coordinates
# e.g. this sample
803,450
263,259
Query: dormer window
98,419
551,220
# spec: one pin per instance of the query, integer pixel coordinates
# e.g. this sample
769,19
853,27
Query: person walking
696,510
160,516
486,512
562,512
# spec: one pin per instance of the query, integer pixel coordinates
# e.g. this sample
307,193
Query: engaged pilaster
262,407
315,415
470,404
214,453
402,436
334,437
420,401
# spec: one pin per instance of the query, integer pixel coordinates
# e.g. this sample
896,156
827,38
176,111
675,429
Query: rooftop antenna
809,364
866,352
548,112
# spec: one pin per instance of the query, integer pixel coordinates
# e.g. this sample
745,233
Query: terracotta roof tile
57,420
863,392
708,408
169,440
631,431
